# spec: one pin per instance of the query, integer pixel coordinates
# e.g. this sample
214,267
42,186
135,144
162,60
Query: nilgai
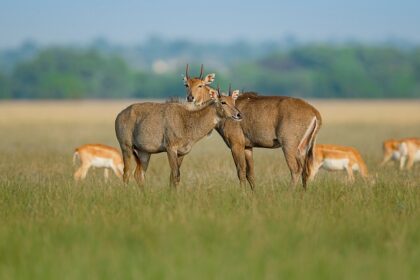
147,128
336,157
391,150
268,122
410,152
97,155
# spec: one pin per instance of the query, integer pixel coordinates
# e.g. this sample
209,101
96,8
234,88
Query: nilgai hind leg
298,149
142,161
128,155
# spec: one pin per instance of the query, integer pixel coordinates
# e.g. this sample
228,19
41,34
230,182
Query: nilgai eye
200,86
186,85
223,102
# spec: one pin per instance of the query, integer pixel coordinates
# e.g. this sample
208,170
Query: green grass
52,228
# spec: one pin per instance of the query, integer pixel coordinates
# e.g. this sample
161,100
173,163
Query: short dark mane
249,94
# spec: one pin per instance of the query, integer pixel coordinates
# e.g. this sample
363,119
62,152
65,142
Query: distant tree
66,73
349,72
313,70
4,87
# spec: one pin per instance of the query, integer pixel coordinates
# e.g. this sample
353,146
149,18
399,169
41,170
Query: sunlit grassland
52,228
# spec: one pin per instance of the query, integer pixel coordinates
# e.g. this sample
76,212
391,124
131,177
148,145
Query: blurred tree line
325,71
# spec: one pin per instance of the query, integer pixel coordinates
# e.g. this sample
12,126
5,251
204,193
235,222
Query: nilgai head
197,87
225,104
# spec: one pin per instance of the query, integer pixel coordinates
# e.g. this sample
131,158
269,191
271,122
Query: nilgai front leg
238,153
173,163
180,159
250,167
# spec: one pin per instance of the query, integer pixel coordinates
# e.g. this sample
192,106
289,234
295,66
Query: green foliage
61,73
349,72
4,87
323,71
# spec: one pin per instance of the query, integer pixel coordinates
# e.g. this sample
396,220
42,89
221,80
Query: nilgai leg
238,153
250,167
142,161
173,163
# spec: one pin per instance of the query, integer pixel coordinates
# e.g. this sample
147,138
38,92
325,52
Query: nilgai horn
147,128
268,122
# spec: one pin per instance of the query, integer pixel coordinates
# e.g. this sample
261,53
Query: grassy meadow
53,228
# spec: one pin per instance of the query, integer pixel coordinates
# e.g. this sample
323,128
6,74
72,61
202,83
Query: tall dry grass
210,228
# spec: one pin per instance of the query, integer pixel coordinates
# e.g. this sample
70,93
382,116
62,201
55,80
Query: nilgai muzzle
147,128
268,122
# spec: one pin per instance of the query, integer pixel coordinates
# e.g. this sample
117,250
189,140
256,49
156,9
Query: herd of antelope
244,121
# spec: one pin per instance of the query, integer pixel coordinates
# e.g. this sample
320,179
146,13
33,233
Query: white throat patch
216,120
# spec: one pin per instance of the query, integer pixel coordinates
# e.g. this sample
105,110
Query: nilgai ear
209,78
235,94
213,94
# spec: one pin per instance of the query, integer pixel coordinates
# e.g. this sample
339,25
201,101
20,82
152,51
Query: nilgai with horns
268,122
148,128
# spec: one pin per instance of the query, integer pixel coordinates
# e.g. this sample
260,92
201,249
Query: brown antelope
268,122
391,149
335,157
97,155
410,152
147,128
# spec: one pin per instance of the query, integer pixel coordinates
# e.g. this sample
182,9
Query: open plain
210,228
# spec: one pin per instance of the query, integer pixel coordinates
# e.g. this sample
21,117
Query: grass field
52,228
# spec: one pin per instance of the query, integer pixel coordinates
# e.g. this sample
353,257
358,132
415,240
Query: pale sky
130,22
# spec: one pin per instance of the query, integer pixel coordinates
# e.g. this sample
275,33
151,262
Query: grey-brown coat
268,122
147,128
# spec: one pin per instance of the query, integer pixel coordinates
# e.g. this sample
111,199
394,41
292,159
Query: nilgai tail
306,149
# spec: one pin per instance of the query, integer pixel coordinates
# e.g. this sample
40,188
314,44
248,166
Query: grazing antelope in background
410,152
335,157
391,149
97,155
268,122
147,128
